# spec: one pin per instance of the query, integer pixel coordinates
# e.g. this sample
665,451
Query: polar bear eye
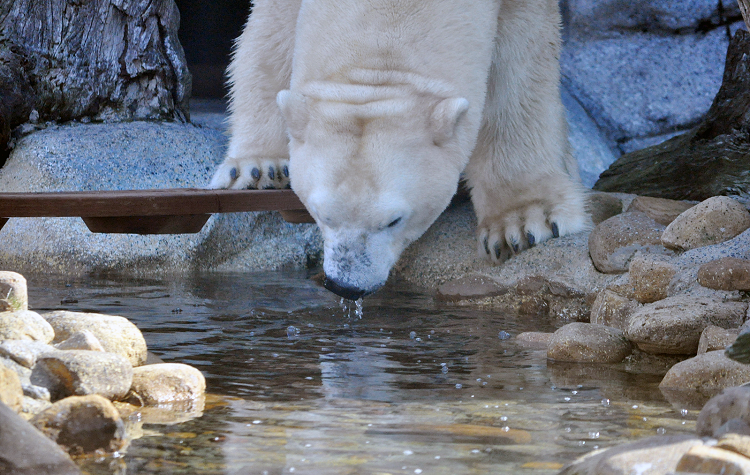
394,222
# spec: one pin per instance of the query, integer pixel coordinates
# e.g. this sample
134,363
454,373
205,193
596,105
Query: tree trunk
711,159
101,60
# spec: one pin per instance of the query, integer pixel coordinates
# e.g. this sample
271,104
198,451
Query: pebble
83,424
716,338
82,340
603,206
25,352
705,374
166,382
13,294
11,393
614,241
712,221
588,343
81,372
116,334
732,403
728,273
27,451
674,325
661,210
613,309
650,276
25,325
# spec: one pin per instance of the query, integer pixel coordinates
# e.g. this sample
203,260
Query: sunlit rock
713,221
166,383
25,325
588,343
614,242
13,294
81,372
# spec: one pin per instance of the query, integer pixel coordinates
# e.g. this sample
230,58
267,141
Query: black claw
286,171
255,173
233,173
487,245
271,173
530,237
515,247
498,250
288,186
268,187
555,230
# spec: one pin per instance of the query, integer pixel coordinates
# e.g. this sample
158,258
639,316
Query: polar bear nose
343,290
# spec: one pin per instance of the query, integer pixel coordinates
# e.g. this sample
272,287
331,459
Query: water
396,384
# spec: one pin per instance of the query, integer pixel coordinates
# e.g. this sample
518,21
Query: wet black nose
351,293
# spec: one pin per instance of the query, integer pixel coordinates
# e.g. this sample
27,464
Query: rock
166,383
716,338
705,374
732,403
709,160
650,276
588,343
26,451
470,287
713,221
733,427
674,325
82,340
81,373
613,310
11,393
728,273
540,340
13,294
82,424
116,334
656,455
25,325
614,242
25,352
603,206
661,210
736,442
704,459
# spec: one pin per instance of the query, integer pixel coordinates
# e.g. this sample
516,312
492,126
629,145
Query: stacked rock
63,370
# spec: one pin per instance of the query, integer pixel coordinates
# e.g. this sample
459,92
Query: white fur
381,105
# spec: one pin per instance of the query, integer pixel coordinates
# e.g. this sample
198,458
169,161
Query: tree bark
712,159
101,60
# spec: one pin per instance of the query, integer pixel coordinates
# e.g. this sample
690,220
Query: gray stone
26,451
25,325
11,393
82,340
603,206
716,338
732,403
13,295
470,287
674,325
166,383
728,273
661,210
650,276
705,459
81,373
705,374
656,455
538,340
25,352
138,155
613,310
588,343
82,424
614,242
713,221
116,334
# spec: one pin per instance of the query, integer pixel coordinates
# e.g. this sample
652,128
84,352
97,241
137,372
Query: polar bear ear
445,117
294,110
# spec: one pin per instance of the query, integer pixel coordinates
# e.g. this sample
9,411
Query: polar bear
372,110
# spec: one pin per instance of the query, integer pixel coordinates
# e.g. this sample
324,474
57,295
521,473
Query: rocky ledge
86,381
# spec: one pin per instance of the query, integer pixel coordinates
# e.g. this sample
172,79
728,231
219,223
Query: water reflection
299,383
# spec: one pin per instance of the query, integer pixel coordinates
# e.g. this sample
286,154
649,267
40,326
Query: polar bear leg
525,183
257,155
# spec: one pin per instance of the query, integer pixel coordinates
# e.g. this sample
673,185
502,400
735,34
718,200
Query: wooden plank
182,224
165,202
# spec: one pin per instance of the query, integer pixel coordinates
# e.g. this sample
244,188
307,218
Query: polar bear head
375,165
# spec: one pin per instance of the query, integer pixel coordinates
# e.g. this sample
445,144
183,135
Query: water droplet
661,430
417,470
503,418
574,393
360,308
475,451
437,457
292,331
503,335
408,452
605,402
566,399
635,406
412,335
257,422
458,386
417,339
593,435
684,412
444,369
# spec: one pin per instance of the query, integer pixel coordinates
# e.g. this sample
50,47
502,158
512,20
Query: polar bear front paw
504,235
252,173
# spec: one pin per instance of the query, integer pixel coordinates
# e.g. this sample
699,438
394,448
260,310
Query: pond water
300,383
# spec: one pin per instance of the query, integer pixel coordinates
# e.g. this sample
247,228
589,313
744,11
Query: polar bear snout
344,290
